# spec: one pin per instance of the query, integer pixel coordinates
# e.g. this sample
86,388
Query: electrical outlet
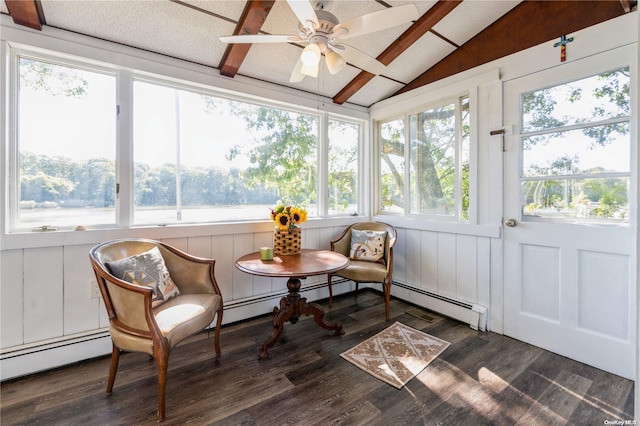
95,291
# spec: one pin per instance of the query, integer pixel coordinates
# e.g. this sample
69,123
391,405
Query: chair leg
217,333
162,362
387,297
329,276
113,368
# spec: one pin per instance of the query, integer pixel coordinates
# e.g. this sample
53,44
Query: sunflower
283,220
298,215
288,217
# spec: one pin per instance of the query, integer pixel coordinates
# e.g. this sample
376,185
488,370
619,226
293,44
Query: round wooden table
294,267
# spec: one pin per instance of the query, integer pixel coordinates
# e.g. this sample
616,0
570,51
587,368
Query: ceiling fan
323,34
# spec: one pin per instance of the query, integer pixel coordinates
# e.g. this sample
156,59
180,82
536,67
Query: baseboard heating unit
473,314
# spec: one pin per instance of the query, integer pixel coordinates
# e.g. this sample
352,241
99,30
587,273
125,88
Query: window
201,158
343,167
576,150
437,159
66,144
198,157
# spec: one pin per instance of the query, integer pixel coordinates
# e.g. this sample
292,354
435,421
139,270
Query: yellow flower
282,220
288,217
298,215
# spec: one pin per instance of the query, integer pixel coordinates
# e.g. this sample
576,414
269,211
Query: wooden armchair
155,296
366,271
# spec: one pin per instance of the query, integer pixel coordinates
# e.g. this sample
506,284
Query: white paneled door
569,251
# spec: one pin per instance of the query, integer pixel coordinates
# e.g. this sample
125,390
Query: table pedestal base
291,307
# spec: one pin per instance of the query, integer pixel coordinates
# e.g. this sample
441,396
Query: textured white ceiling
191,31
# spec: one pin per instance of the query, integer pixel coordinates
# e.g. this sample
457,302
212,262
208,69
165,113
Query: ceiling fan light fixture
311,55
310,71
335,62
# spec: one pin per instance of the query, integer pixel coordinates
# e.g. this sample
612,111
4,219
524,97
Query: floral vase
287,241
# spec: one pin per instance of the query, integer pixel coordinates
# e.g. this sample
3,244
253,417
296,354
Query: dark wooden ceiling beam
438,11
253,16
528,24
26,12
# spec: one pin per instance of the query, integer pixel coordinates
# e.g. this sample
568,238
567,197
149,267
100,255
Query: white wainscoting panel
400,256
201,247
11,308
603,296
428,261
222,251
447,265
81,311
43,293
413,257
540,281
467,268
483,287
242,282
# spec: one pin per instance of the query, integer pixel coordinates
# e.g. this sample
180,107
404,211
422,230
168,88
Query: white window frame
13,151
472,94
124,130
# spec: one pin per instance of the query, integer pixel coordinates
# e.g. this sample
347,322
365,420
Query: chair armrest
192,275
130,306
342,244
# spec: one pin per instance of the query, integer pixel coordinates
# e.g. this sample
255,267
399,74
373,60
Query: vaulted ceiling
449,36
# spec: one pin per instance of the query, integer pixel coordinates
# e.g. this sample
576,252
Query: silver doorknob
510,223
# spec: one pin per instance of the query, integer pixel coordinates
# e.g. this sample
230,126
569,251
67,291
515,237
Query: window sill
27,239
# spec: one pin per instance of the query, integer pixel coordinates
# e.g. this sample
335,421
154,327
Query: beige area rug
396,354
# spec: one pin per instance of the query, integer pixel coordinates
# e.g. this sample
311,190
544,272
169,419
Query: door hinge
117,190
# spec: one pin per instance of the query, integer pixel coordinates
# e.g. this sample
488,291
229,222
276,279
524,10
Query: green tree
431,160
343,165
283,156
53,79
543,109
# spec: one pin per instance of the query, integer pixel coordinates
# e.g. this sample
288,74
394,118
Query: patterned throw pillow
147,269
367,245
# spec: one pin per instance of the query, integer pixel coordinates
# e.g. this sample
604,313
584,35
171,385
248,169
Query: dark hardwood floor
482,378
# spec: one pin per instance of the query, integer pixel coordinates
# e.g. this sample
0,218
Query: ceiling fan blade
304,12
258,38
296,75
376,21
359,59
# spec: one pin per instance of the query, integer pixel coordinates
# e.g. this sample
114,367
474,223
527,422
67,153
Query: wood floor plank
481,378
558,402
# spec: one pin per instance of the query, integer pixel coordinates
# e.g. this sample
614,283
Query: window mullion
407,168
457,191
124,150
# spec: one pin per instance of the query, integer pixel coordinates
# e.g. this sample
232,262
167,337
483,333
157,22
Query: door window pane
599,97
576,151
66,146
590,198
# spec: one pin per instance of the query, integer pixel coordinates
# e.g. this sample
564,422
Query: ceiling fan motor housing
326,21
